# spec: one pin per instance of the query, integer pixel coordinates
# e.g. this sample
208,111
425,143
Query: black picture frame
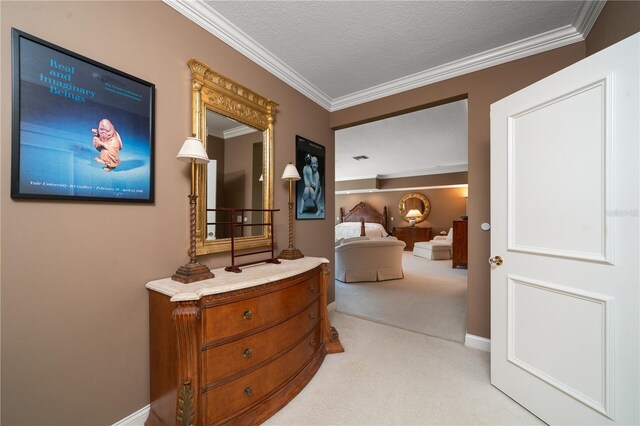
310,189
81,130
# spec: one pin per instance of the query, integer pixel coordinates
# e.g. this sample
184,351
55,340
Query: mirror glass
415,201
235,125
234,175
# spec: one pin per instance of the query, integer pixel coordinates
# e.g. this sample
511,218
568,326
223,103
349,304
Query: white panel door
565,304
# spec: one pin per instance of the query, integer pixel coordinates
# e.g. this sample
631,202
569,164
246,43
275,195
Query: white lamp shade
192,149
414,213
290,173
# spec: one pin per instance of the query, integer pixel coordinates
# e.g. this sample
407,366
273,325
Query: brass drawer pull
248,391
312,316
312,287
247,353
312,343
247,315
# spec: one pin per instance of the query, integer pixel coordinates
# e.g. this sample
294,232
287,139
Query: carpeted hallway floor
389,376
431,299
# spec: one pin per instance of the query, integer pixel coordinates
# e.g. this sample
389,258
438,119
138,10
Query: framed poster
310,188
80,130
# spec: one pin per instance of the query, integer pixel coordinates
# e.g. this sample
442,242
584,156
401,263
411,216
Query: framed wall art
310,189
80,130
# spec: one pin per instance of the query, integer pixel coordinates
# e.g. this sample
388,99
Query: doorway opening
423,153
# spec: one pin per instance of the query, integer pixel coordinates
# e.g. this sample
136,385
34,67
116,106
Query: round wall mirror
414,201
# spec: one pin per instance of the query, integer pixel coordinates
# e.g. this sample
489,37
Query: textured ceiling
430,141
343,47
342,53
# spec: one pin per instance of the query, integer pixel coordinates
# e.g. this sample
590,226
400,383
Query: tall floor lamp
290,253
192,151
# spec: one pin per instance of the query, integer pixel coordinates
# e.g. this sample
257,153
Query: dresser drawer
224,321
232,358
411,235
226,400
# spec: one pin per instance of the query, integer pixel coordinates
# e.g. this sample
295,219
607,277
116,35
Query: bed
362,254
362,220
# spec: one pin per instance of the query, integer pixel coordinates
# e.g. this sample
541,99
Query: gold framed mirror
416,201
235,126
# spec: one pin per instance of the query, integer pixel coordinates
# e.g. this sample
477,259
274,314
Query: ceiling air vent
361,157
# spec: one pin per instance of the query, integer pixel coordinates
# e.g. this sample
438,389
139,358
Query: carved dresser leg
185,318
330,335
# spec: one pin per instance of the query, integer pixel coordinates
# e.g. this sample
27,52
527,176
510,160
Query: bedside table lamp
413,213
192,151
291,174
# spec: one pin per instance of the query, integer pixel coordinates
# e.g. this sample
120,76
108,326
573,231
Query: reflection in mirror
234,175
415,201
236,127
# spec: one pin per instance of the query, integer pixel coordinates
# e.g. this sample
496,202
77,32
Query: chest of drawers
460,242
241,353
411,235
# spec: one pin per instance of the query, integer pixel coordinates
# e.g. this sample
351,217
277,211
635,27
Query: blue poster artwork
81,130
310,188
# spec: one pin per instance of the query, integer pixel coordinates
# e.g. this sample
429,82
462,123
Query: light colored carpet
389,376
430,299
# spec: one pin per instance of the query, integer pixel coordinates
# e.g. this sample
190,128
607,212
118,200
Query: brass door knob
247,353
247,315
248,391
496,261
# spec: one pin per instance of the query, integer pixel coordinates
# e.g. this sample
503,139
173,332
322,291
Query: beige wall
617,21
238,173
447,205
482,88
74,307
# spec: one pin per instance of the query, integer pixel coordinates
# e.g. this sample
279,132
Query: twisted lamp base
290,253
194,270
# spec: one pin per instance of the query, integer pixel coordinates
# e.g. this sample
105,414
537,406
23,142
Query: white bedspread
352,229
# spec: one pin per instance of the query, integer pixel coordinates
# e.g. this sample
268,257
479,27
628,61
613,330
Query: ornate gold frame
425,201
220,94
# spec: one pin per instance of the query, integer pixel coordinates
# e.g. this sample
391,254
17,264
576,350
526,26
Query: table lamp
192,151
290,253
412,215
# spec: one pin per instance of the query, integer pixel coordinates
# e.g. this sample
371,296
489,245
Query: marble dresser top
228,281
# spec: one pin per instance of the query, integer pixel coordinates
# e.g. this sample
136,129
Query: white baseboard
136,419
331,306
477,342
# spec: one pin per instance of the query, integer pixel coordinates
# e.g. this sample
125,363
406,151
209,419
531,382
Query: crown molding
215,133
437,170
206,17
587,16
510,52
403,189
231,133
